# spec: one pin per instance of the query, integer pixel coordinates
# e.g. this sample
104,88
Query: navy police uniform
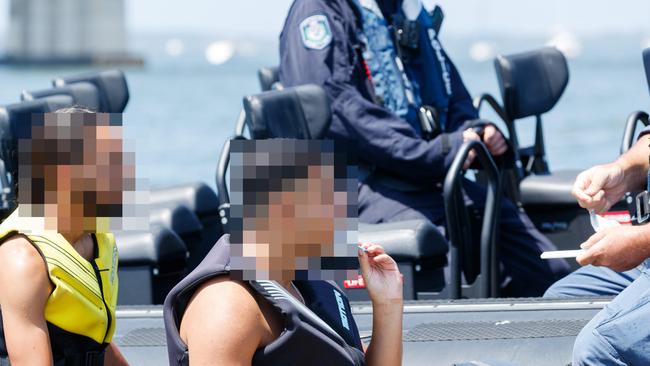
326,42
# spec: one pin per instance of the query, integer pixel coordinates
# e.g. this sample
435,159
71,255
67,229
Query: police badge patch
316,33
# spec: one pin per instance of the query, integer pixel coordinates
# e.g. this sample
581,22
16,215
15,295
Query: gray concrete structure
68,31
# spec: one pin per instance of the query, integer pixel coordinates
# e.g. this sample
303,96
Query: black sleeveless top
321,332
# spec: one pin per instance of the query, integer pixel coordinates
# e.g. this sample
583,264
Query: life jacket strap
90,358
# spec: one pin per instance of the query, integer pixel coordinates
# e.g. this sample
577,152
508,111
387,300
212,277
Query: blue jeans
620,333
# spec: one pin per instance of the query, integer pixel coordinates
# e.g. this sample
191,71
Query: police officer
616,264
397,95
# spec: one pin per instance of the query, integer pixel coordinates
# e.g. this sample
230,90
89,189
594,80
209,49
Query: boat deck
517,331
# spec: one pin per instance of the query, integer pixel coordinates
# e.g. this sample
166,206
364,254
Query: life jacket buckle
429,122
407,32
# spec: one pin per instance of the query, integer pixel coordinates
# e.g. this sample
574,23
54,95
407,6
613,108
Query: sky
264,18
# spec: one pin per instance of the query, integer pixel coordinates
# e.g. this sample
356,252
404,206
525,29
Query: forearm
113,356
643,242
386,345
635,163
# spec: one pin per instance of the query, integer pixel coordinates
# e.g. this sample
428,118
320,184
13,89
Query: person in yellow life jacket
58,260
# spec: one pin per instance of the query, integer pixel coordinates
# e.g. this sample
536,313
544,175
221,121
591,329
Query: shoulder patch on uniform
316,32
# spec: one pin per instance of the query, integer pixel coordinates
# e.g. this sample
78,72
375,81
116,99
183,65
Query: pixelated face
293,208
73,167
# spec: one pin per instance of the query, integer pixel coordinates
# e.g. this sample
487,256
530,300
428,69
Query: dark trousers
523,273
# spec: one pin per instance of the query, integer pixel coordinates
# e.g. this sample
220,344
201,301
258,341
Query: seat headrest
301,112
198,197
14,118
111,85
269,77
646,64
531,82
83,93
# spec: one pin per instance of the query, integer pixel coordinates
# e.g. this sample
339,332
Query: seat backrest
646,64
531,82
14,118
301,112
269,77
111,86
83,93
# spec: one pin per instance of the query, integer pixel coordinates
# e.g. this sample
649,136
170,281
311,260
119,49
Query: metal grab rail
222,188
630,129
455,210
492,102
512,132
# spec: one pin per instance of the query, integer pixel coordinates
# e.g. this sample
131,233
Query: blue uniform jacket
384,140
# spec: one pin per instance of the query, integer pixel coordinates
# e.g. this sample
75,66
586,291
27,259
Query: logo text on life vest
341,305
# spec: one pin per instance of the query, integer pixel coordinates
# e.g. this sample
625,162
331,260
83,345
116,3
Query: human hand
619,248
494,140
600,187
470,135
380,274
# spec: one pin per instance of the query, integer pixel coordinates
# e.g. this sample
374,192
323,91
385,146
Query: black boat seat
531,82
405,240
302,112
111,85
84,94
551,189
180,220
150,264
15,117
269,78
203,202
160,247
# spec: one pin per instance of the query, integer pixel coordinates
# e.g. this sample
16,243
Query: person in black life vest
396,94
261,297
58,260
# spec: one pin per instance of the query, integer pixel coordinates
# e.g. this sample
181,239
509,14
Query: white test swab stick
561,254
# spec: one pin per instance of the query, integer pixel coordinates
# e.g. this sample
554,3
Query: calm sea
183,108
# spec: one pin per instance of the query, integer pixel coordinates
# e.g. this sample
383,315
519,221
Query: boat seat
83,93
111,85
303,112
150,264
406,240
531,83
14,120
203,202
182,221
551,189
269,78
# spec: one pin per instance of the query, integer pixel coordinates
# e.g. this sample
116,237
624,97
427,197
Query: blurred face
293,210
300,224
80,163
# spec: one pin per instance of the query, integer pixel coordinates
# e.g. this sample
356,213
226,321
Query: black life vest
321,332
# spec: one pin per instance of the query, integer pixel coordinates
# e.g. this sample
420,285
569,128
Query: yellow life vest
85,292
